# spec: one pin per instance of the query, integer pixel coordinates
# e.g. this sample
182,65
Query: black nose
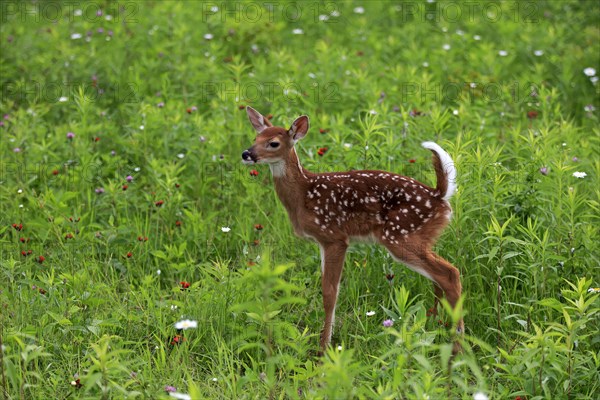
246,155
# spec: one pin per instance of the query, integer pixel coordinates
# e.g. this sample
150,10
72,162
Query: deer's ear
299,128
258,121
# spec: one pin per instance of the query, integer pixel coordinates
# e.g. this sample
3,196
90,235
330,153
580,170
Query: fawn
398,212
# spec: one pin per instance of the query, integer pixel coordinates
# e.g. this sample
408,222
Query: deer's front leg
332,263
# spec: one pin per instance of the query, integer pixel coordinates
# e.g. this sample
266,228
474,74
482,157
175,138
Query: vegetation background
124,207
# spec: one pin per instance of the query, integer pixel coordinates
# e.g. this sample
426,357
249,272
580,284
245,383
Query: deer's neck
291,182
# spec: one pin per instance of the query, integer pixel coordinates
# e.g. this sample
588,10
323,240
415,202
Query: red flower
189,110
77,384
323,130
97,139
256,242
69,236
55,172
129,255
322,151
412,161
241,107
23,240
74,220
142,238
532,114
124,187
253,172
18,227
184,285
177,339
41,259
159,203
431,312
415,113
389,277
177,185
258,227
42,291
178,223
24,253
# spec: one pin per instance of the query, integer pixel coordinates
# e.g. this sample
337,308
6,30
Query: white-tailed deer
400,213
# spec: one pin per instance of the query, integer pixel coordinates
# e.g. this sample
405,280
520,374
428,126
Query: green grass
96,308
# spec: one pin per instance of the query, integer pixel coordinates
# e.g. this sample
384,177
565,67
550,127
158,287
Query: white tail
398,212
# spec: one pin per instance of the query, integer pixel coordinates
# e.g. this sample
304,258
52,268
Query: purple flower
99,13
129,178
575,159
388,322
170,388
109,33
100,30
113,153
194,108
99,190
1,123
70,135
6,116
160,105
17,149
544,170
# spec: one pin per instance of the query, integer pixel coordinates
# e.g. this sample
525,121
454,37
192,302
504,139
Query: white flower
180,396
214,379
460,32
225,229
480,396
446,47
578,174
335,13
370,313
62,99
347,145
180,155
141,127
473,85
298,31
20,191
372,112
108,17
158,272
589,108
214,9
137,169
311,75
20,205
594,79
589,71
359,10
186,324
477,37
77,13
323,17
340,348
538,53
503,53
208,36
173,307
455,112
76,36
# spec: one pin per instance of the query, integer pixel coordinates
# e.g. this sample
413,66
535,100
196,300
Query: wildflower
414,112
253,172
68,236
18,227
372,112
41,291
180,396
159,203
186,324
124,187
589,108
241,107
158,272
412,161
455,112
258,227
215,379
256,242
480,396
99,190
161,104
503,53
298,31
347,146
388,322
208,36
446,47
70,135
340,348
75,36
173,307
24,240
225,229
594,290
538,53
359,10
589,71
177,185
321,131
532,114
389,277
129,254
184,285
170,389
129,178
544,170
370,313
578,174
76,383
17,150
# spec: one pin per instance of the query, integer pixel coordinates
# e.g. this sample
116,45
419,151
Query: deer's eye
274,144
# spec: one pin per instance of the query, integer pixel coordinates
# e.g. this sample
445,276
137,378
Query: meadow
140,259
